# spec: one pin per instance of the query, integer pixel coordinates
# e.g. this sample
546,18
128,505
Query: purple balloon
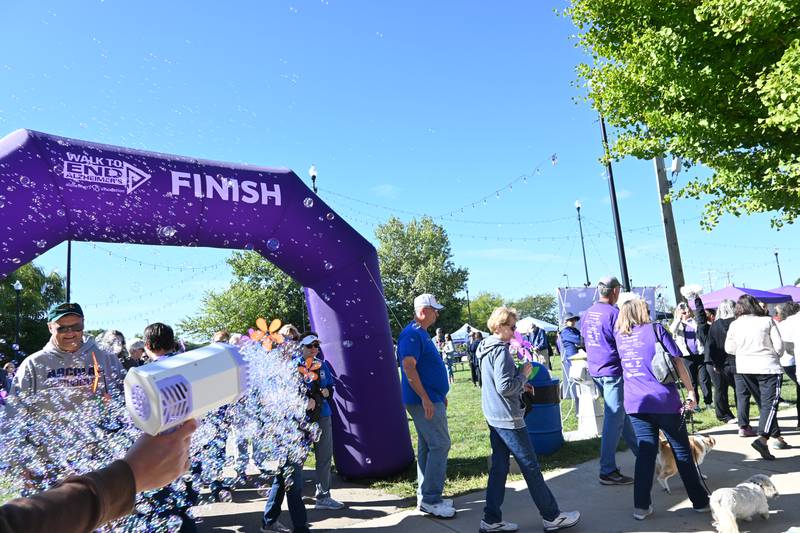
53,189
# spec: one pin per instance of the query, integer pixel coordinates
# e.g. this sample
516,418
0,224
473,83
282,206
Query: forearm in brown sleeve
78,504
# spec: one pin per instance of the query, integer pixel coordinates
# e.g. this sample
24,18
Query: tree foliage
415,258
481,307
39,293
541,306
716,82
258,288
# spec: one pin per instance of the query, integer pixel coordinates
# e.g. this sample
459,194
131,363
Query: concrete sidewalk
604,509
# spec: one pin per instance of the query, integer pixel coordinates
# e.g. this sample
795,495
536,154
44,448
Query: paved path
603,509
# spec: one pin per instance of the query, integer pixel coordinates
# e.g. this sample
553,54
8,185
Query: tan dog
665,460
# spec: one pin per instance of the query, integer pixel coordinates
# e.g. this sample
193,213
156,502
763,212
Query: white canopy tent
460,335
526,325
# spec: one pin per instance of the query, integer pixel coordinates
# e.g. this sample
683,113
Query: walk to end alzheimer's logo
103,173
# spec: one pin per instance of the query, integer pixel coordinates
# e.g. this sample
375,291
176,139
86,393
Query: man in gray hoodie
68,360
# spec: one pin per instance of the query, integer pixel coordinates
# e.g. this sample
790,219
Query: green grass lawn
467,466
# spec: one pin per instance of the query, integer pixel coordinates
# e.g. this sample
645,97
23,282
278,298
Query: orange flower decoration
268,335
308,369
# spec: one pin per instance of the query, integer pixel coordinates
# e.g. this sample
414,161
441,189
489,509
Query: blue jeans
297,510
646,427
433,445
516,442
615,423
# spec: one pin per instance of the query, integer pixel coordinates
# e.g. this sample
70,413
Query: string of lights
168,268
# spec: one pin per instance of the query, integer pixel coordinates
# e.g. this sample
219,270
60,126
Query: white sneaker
446,501
562,521
328,503
275,526
641,514
439,510
498,526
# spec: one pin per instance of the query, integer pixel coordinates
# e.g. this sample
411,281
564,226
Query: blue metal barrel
544,420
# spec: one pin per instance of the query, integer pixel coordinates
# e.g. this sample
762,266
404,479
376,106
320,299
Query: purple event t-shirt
690,334
643,392
597,330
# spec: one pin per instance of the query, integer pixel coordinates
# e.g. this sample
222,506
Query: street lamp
780,276
313,173
469,311
583,248
18,288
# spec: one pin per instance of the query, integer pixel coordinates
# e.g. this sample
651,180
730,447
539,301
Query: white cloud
511,254
622,194
385,190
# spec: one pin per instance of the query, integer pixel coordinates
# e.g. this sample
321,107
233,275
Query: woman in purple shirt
653,406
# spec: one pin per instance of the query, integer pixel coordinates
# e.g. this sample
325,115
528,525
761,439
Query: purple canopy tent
54,189
791,290
713,299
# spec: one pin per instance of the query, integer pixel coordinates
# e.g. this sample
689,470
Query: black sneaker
615,478
762,448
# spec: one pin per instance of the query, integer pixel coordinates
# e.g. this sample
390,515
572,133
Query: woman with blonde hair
654,406
501,393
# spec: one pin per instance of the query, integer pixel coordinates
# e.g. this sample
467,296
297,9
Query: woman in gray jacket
503,384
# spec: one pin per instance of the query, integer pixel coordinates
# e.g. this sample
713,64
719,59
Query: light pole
623,263
18,289
583,248
313,173
780,276
469,311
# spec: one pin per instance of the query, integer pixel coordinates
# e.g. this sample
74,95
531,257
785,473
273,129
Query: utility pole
710,287
583,248
729,278
612,193
469,311
673,249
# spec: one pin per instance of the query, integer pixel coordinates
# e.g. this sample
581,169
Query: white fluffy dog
743,501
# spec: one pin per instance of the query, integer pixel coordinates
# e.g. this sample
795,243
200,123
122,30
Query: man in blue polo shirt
425,388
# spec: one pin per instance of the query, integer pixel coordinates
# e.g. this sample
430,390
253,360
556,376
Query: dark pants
723,380
791,371
699,374
742,401
516,442
475,371
766,390
297,510
646,427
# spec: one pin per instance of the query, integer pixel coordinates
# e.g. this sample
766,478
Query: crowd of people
706,354
72,360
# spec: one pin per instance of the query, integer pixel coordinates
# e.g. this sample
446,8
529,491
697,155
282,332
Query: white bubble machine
165,393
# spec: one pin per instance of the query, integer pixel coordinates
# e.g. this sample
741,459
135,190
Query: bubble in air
330,216
41,243
166,232
25,181
61,213
249,246
328,265
308,202
273,244
347,343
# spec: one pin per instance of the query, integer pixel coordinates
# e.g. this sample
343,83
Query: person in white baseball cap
425,388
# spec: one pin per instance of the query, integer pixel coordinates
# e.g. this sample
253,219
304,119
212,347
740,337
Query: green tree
416,258
258,289
541,306
39,293
713,81
482,306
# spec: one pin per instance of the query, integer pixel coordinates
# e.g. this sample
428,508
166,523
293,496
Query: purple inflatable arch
53,189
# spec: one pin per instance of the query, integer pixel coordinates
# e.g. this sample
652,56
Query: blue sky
409,106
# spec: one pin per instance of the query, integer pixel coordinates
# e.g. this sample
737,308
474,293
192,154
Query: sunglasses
313,345
68,329
513,328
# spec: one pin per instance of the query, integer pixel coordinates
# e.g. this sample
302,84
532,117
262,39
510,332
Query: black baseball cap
63,310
